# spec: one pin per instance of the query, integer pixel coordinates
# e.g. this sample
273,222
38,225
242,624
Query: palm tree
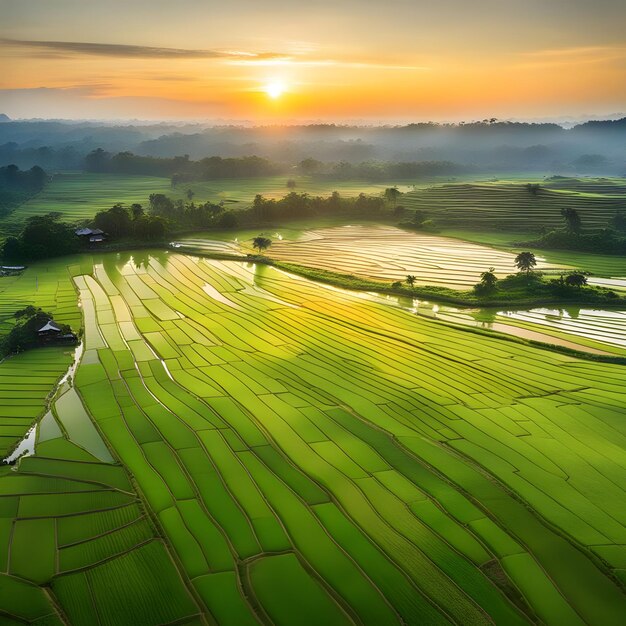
576,279
261,243
525,261
410,279
488,279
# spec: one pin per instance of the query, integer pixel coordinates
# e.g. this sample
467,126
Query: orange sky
342,60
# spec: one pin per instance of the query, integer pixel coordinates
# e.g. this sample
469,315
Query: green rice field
508,206
239,445
231,444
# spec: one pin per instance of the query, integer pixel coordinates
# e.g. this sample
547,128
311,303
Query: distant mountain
4,118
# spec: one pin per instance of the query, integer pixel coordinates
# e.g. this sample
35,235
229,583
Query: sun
275,88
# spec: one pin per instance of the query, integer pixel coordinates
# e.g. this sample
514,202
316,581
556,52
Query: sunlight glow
275,89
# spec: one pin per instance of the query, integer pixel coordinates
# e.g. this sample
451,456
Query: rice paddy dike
237,444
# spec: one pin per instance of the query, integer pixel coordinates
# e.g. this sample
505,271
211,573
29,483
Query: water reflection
138,259
572,326
484,318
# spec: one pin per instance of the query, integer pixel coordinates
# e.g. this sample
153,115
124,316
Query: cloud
324,62
303,57
573,56
75,48
81,102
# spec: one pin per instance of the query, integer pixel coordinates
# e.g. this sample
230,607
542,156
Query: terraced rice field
599,265
240,445
609,186
388,253
510,207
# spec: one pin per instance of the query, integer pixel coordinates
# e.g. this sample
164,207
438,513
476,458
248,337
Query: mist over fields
594,147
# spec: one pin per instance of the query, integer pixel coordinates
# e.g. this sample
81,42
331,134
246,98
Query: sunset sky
274,60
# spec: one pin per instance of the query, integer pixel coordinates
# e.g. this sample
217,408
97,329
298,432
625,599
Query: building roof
97,231
50,325
83,231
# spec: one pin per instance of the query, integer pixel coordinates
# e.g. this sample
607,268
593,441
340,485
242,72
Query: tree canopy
573,223
43,236
576,279
261,243
24,335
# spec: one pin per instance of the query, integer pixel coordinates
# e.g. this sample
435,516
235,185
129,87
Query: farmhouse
52,333
49,329
94,235
11,270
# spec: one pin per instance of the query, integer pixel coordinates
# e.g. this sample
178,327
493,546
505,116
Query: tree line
296,205
180,168
14,179
376,171
48,235
16,186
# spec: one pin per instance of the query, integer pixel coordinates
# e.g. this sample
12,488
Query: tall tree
572,220
488,279
310,166
261,243
525,262
97,161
